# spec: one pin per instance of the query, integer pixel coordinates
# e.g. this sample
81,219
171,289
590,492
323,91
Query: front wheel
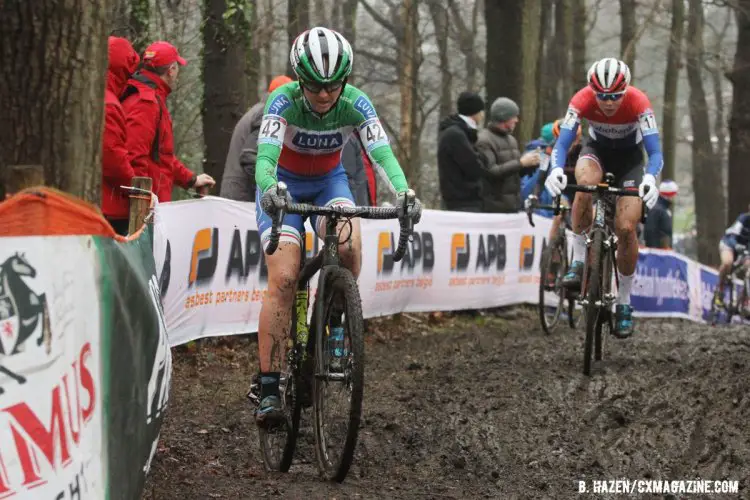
338,387
593,295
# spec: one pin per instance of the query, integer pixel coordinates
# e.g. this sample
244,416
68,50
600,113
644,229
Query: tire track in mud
484,407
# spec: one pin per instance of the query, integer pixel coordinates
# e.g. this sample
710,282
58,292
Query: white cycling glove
556,181
652,195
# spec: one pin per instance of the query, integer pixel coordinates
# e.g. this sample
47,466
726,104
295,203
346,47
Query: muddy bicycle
597,296
554,264
738,303
312,374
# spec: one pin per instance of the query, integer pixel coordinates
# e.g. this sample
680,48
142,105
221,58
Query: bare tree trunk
407,64
226,42
321,14
707,185
551,99
140,15
563,40
440,19
119,23
578,47
671,77
739,124
543,82
267,45
53,63
349,27
628,30
466,37
298,20
512,48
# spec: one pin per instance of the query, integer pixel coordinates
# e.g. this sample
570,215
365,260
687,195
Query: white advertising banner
210,250
50,369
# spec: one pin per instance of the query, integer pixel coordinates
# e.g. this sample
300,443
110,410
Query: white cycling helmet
608,76
321,55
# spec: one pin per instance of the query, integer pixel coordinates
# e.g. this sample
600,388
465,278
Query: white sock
626,283
579,247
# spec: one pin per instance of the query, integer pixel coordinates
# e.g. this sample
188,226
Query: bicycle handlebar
380,213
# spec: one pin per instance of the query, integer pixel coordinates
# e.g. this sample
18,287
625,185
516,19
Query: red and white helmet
609,75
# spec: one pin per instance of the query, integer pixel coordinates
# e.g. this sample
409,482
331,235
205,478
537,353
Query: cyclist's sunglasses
315,88
610,97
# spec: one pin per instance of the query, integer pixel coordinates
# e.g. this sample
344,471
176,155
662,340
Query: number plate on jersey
272,130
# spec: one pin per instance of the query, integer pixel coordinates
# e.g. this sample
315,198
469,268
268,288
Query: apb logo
22,311
490,251
526,255
460,251
205,255
420,249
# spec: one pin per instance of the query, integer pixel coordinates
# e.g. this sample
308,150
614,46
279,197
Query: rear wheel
338,393
551,292
593,295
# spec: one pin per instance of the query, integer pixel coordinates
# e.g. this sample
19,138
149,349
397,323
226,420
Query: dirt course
481,407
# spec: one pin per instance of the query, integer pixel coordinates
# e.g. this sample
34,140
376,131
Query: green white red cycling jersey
299,140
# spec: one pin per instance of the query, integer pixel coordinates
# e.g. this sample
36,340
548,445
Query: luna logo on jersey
278,105
364,106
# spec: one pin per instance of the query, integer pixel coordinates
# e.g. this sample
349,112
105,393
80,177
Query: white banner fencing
214,276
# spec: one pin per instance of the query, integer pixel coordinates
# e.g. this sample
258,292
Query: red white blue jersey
632,124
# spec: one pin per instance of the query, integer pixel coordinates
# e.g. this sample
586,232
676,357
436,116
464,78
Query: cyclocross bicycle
738,303
309,377
597,295
554,265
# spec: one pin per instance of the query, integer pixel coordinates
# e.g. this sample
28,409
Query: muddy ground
480,407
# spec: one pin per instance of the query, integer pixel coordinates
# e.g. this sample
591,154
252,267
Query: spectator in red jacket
116,168
149,124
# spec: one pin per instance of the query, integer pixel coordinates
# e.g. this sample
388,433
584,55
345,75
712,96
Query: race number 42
272,130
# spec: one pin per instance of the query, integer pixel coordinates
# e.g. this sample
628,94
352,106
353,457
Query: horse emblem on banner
22,312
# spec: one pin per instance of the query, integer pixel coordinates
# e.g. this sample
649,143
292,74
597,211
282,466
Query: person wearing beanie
238,181
460,165
504,164
657,231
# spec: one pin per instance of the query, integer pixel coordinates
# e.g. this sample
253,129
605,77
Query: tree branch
378,18
378,57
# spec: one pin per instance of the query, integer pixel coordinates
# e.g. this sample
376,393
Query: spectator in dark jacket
459,162
149,124
238,181
657,232
504,165
116,168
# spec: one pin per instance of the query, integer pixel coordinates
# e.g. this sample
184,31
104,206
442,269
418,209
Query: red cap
278,82
162,54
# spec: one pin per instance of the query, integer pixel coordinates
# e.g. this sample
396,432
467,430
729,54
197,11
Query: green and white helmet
321,55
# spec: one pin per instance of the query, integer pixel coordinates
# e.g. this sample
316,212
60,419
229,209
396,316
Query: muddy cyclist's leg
350,250
275,313
588,172
627,216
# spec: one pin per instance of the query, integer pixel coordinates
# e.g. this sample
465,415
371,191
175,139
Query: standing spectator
238,182
657,232
116,168
149,124
501,182
359,171
459,161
